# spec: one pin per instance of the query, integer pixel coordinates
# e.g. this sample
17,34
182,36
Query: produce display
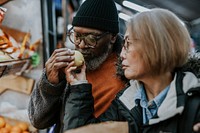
17,54
8,126
11,49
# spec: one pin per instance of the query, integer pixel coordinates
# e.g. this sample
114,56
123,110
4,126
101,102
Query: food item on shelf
4,56
79,59
4,130
17,50
8,127
7,46
25,132
2,13
23,126
3,40
35,45
4,43
2,122
10,50
3,9
16,127
23,46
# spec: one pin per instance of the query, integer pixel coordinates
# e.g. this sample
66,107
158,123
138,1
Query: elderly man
95,34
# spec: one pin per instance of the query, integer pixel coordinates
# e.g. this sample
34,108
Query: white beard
96,61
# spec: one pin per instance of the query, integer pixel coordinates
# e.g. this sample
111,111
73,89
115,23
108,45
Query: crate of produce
8,125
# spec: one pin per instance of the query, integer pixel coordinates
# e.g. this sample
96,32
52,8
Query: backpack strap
179,89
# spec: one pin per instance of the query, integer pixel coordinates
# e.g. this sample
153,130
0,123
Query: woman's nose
122,54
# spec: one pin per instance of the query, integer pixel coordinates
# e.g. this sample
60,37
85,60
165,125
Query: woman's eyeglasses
125,45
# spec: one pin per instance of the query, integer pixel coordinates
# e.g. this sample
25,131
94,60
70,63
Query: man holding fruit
95,35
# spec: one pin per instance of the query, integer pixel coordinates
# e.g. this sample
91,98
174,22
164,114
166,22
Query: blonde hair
166,40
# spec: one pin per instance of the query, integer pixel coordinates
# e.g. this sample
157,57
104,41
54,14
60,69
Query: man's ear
113,38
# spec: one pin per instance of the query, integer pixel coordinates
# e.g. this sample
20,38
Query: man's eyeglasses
90,40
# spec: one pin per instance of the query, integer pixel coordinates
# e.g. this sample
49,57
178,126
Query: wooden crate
13,66
2,69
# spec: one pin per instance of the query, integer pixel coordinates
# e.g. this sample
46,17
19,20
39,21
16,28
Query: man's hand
59,60
72,76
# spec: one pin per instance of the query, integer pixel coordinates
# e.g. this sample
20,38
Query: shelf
14,66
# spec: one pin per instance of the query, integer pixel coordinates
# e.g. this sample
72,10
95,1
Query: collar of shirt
149,108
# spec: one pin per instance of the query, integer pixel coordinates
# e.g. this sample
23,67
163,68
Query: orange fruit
25,132
16,129
2,122
4,130
23,126
8,127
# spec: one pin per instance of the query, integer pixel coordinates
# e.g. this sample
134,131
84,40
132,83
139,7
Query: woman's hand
196,127
57,62
72,76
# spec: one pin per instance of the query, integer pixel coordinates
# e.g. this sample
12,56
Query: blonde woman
163,80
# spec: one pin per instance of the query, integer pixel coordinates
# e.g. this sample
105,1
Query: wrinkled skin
56,63
94,57
72,77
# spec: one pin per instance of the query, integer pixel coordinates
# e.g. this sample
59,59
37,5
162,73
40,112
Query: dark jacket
47,102
172,116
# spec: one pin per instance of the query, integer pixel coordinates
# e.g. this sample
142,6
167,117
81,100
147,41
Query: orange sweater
105,84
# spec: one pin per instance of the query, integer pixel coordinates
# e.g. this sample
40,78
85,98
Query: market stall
20,62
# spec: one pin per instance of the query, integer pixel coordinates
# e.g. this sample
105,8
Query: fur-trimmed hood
193,64
173,103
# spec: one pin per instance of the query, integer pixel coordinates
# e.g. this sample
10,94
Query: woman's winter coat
175,114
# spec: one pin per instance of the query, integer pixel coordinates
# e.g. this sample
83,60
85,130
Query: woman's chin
129,74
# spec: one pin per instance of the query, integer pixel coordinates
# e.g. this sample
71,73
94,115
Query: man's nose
82,44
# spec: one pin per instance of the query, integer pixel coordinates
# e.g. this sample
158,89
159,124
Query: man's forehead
86,30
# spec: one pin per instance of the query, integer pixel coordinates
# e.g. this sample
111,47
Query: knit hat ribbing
98,14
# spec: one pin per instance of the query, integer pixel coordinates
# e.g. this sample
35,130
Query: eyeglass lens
89,39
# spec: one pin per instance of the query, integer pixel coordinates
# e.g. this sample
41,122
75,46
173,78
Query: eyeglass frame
126,47
82,37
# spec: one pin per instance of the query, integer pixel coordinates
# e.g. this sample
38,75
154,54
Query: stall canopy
188,10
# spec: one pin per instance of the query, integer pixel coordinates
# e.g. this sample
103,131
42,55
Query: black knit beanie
97,14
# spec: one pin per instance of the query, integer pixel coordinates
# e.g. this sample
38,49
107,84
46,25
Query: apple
78,58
